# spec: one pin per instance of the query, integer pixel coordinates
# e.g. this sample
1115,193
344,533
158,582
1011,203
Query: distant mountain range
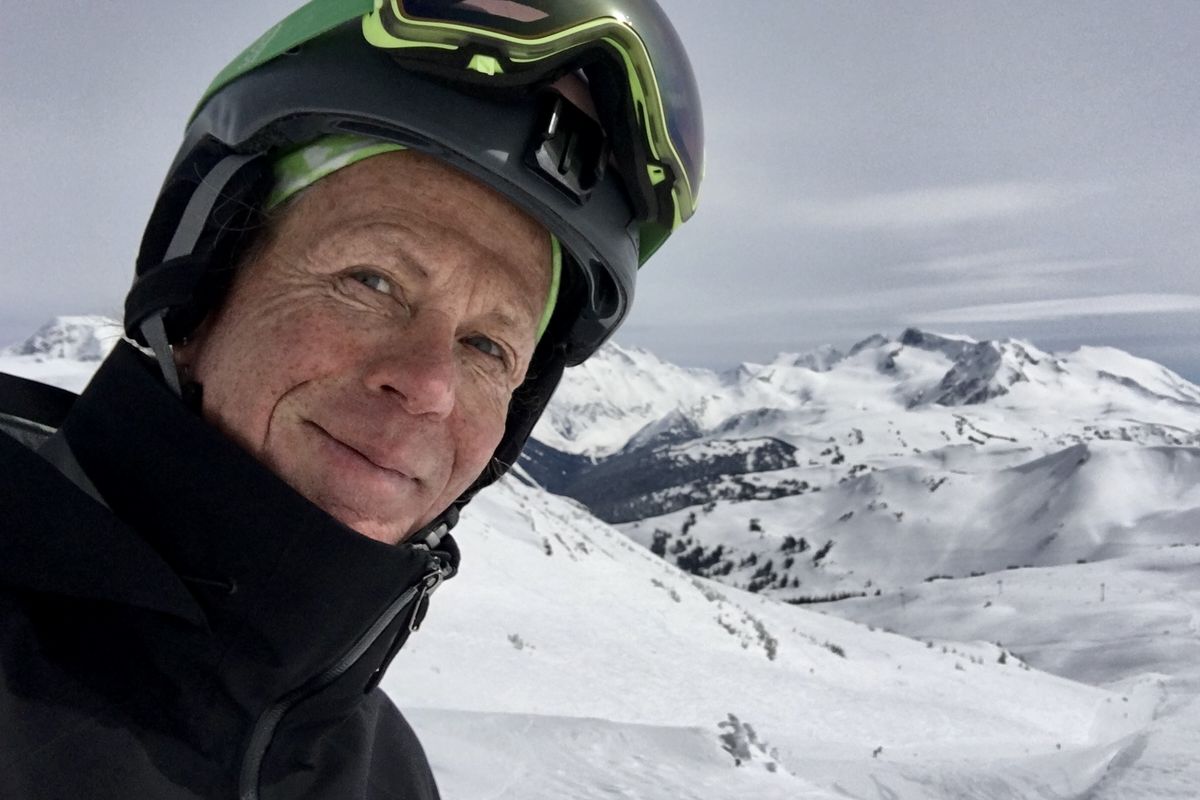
922,456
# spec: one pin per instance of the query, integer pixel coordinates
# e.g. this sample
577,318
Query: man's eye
373,280
486,346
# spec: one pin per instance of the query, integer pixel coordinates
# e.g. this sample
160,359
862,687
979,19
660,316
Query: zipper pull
419,607
421,604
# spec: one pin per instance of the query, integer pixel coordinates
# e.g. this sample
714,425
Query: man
388,230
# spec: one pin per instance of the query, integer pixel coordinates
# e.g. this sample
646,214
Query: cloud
935,207
1062,308
1017,262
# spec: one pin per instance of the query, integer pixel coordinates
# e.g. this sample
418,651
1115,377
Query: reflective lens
515,36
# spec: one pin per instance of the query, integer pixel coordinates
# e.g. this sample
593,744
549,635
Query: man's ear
187,354
187,351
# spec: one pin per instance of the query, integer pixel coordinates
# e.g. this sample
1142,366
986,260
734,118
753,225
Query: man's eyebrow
504,319
506,316
396,236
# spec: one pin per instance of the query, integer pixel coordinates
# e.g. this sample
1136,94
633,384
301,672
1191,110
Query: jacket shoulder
30,411
28,433
372,754
407,765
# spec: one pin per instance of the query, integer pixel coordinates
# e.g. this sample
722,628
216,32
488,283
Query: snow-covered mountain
917,457
65,351
79,338
608,400
569,661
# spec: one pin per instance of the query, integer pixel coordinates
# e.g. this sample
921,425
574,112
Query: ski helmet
469,82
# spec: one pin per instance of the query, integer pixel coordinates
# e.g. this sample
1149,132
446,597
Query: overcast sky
1024,169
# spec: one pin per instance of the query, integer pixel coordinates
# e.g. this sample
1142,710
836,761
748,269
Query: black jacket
208,634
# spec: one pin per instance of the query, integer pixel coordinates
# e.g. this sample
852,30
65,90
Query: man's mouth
367,457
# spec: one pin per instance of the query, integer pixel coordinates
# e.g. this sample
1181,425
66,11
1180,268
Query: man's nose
418,370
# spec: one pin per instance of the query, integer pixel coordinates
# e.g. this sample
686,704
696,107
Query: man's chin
372,501
376,514
388,532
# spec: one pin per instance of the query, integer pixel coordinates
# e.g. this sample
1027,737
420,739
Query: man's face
368,350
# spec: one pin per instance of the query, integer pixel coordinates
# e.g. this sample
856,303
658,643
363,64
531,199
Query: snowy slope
569,661
562,629
904,524
1130,624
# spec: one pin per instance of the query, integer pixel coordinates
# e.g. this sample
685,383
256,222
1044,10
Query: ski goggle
504,43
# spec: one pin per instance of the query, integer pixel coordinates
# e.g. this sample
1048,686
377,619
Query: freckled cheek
283,355
481,428
315,346
474,450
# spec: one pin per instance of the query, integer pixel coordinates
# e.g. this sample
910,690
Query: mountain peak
82,338
983,370
822,359
952,346
874,340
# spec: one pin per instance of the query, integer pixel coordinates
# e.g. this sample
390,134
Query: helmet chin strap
155,331
187,233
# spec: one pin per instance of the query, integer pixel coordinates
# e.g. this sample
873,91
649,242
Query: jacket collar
58,540
277,581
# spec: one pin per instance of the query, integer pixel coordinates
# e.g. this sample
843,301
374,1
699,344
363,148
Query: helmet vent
384,132
604,302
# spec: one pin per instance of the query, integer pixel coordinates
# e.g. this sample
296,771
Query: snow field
601,630
540,757
70,375
904,524
1128,624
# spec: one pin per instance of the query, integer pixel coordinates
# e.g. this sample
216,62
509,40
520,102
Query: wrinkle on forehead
435,186
426,215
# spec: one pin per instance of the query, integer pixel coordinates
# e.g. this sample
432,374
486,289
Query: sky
1017,169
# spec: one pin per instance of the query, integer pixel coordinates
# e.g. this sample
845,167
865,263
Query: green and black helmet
470,82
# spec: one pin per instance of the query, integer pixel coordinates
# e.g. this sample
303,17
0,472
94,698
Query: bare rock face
981,371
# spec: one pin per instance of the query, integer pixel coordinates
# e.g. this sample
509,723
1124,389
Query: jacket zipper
268,721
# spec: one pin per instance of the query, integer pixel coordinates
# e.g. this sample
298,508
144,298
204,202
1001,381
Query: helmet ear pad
190,286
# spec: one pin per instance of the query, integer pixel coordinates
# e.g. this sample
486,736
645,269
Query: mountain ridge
621,392
844,460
